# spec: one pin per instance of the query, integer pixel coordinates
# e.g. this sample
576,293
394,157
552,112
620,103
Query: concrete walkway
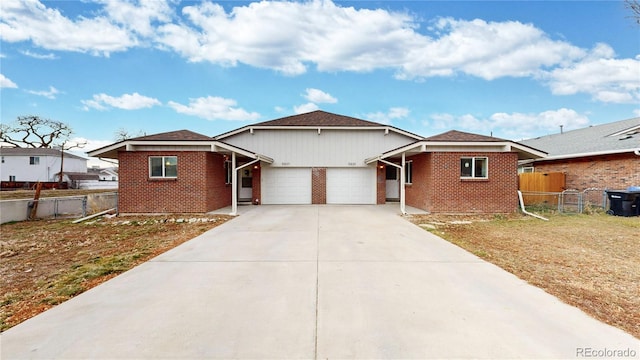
314,282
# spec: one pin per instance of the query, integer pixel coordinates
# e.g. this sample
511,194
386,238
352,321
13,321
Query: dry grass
43,263
589,261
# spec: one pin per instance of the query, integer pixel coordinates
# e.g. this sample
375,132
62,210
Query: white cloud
287,36
319,96
126,102
138,16
5,82
305,108
387,117
512,126
30,20
290,36
606,79
488,50
49,94
49,56
636,112
214,108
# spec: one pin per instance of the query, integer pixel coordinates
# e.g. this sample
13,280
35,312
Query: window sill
162,179
474,179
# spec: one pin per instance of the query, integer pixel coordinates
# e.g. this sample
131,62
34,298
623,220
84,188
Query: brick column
319,185
381,184
255,185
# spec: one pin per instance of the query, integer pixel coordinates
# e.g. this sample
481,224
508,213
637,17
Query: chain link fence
74,206
567,201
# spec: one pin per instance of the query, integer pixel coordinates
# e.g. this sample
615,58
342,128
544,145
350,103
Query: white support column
234,186
402,181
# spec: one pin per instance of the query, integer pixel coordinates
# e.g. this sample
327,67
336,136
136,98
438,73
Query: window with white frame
408,172
34,160
163,166
474,167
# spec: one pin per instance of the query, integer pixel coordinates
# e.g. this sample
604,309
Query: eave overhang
524,152
252,128
111,151
582,155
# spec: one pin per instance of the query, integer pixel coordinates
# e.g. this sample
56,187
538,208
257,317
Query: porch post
402,181
234,186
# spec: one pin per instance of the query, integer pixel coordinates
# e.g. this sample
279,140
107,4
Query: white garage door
351,185
286,185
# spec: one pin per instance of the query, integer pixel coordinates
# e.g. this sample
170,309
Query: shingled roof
180,135
605,138
17,151
460,136
319,118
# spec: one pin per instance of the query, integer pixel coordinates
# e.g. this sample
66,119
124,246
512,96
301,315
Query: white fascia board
106,149
595,153
395,152
318,128
240,151
508,146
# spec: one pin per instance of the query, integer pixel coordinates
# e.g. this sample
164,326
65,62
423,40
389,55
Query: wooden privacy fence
541,183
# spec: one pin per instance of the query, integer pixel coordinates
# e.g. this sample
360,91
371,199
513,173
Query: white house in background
37,164
108,174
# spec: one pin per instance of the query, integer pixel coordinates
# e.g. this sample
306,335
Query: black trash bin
624,203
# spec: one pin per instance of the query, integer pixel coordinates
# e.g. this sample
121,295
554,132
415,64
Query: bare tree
34,131
634,6
123,134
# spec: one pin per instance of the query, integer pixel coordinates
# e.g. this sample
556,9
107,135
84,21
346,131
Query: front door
245,191
393,183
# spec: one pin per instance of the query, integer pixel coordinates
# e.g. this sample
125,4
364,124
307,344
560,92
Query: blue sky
514,69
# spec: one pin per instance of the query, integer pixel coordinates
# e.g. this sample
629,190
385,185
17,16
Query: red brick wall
618,171
381,183
417,194
198,188
319,185
218,193
437,186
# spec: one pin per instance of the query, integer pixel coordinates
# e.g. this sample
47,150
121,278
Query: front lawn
589,261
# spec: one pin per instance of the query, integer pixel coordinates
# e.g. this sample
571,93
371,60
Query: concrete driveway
314,282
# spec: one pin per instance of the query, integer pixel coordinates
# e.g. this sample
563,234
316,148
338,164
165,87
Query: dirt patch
46,262
589,261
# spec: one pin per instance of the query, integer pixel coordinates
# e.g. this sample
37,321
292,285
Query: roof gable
180,135
319,118
461,136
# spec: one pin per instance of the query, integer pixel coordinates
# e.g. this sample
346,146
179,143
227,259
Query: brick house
317,158
602,157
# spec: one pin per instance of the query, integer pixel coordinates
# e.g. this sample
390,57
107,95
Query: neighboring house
602,156
105,174
37,164
317,158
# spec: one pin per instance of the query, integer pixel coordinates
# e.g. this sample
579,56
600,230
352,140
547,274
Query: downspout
402,182
402,202
234,186
234,205
525,211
